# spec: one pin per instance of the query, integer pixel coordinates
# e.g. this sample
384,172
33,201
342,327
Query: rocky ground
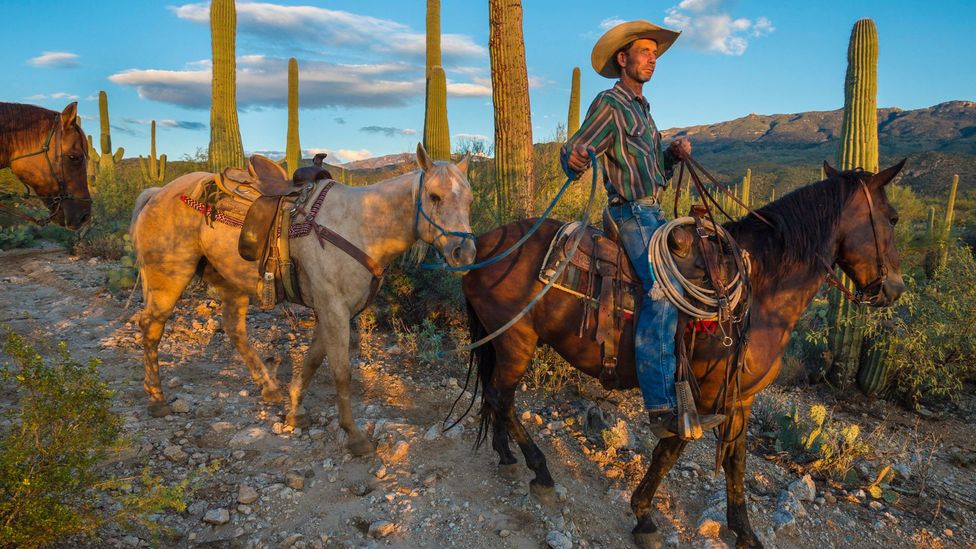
266,486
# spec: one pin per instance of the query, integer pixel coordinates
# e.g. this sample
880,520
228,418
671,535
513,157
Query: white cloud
55,95
334,29
55,60
610,22
262,82
348,155
707,25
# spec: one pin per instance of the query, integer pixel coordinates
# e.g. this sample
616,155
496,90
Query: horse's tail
141,201
484,357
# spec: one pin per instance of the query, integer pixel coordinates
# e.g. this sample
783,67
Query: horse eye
894,220
435,198
73,157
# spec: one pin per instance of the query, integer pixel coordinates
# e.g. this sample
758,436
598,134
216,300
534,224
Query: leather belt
649,200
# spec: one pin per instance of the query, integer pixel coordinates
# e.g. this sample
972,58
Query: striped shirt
619,125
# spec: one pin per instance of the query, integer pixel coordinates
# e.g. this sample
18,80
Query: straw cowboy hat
604,56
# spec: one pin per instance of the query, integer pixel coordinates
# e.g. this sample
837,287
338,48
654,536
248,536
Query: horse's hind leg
734,463
233,308
665,455
542,486
162,286
496,411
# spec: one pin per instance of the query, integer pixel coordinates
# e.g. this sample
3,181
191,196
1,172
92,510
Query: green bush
824,445
52,444
931,334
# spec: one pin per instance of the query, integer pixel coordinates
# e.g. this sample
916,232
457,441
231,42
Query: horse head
866,249
443,208
54,164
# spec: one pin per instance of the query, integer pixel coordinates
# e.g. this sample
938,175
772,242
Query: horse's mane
21,125
804,222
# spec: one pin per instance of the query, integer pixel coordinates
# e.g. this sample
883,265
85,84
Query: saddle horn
312,173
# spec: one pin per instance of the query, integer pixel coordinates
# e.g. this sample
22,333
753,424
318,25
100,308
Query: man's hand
680,148
579,159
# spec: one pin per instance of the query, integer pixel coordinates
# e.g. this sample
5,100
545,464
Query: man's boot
664,423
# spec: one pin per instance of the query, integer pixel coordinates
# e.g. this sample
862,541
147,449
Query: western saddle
270,197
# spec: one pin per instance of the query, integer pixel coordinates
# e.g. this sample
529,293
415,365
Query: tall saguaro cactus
746,184
105,160
226,149
153,169
510,95
573,121
946,231
293,148
859,149
437,137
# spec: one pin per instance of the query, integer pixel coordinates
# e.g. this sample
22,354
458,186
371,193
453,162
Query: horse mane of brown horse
59,177
845,219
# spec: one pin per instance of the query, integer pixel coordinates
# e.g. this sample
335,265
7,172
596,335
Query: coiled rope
706,305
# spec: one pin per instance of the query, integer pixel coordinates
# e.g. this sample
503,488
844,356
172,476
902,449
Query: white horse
174,241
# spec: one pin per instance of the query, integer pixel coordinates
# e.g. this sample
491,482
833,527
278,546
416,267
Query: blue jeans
658,320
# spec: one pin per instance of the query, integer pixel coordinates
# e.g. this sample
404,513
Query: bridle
53,202
441,231
874,289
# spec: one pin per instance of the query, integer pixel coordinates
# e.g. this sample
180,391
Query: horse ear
830,171
884,177
265,169
423,160
69,114
463,164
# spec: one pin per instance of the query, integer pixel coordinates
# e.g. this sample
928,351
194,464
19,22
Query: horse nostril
456,253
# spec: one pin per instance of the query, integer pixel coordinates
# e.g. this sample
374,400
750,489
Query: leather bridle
874,289
53,202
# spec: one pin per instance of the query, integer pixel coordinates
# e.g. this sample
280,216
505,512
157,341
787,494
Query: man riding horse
619,126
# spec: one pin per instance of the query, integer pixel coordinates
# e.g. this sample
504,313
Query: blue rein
506,253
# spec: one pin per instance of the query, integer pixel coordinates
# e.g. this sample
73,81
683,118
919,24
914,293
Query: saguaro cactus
859,149
437,140
573,121
293,149
513,122
947,223
153,169
746,184
437,137
106,160
226,149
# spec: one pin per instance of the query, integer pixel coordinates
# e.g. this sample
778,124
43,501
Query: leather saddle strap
605,270
711,266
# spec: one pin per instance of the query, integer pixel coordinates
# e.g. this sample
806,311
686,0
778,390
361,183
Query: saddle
270,197
600,273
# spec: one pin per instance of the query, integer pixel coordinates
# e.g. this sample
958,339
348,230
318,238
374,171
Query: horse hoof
272,395
159,409
297,421
545,495
648,540
510,471
361,446
748,543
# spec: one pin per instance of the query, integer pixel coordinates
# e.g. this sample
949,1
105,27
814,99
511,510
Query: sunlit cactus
226,149
437,137
153,169
293,149
513,121
573,121
104,159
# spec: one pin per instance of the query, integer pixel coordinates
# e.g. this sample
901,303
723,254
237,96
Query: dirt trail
424,488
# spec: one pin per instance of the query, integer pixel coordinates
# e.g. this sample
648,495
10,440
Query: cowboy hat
604,56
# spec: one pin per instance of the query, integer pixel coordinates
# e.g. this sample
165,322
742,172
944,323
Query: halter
875,288
442,232
54,201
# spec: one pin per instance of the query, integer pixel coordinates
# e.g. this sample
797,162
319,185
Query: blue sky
361,64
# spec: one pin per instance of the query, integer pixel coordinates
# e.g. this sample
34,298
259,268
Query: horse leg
666,454
542,486
734,463
301,377
234,311
495,414
161,289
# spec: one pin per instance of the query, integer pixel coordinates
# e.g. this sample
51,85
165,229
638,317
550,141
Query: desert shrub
930,334
823,444
52,443
550,373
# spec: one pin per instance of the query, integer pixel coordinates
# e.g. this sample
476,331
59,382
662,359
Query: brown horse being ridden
48,152
173,242
844,220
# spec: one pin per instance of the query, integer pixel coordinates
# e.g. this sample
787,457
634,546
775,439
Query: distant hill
380,161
